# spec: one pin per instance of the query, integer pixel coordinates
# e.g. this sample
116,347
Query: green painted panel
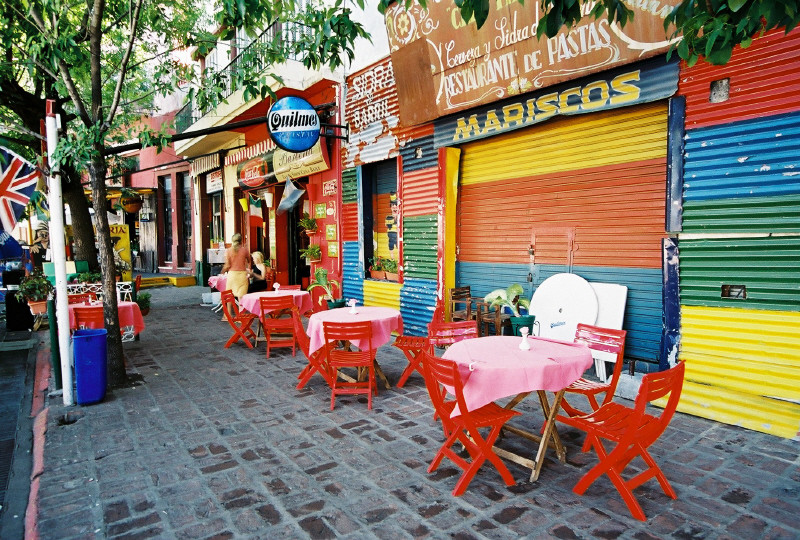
748,214
419,246
768,267
349,186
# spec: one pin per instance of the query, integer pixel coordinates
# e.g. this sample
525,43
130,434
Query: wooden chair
464,428
489,317
317,361
412,347
89,317
241,322
606,345
81,298
336,332
460,302
276,319
633,430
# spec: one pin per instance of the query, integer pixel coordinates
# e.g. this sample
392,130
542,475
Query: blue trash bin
91,365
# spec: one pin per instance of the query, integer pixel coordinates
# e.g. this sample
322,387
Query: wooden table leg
549,428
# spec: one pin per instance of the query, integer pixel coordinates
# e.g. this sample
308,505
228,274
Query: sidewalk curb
39,413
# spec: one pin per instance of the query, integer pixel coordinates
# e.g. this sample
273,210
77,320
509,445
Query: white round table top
560,303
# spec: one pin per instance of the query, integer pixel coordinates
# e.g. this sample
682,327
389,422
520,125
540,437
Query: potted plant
376,270
511,298
35,289
308,223
321,280
313,253
390,267
143,299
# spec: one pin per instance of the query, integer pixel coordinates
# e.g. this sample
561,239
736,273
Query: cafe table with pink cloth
384,321
496,367
219,282
131,321
252,301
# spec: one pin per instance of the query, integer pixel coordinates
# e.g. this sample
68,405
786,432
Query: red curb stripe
32,512
42,380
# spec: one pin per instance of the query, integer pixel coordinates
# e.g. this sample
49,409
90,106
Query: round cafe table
219,282
384,321
131,321
495,367
252,301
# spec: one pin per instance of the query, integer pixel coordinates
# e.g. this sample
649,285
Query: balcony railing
253,59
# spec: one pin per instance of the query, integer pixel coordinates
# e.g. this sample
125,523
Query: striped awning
204,164
250,152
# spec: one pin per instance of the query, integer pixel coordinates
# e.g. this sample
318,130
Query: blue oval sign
293,124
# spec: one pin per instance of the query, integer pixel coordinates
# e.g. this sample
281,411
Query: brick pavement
217,443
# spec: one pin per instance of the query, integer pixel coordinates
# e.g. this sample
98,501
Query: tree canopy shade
710,28
103,61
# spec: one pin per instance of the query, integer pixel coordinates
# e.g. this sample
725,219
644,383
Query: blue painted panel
353,273
643,311
417,301
419,154
754,158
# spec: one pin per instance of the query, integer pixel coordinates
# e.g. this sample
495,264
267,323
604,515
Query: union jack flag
17,182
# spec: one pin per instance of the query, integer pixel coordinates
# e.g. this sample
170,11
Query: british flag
17,182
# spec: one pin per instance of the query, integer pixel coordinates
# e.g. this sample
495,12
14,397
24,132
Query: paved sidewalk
217,443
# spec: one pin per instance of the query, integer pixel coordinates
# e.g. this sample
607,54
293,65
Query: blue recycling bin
89,349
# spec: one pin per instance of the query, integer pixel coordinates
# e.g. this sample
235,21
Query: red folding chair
412,347
443,334
317,361
241,322
276,320
336,332
464,428
606,345
89,317
633,430
291,287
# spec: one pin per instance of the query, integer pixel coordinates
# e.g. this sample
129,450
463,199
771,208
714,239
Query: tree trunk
82,229
116,361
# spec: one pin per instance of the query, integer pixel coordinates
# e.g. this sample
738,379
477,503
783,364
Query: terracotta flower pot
131,204
377,274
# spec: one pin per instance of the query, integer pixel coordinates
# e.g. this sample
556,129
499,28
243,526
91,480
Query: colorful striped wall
740,247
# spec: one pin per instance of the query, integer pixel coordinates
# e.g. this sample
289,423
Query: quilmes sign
293,124
643,83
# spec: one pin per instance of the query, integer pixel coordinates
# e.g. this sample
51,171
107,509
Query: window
216,218
186,216
381,211
165,183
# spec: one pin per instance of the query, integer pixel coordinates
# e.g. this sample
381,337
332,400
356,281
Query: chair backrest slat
276,306
300,333
442,334
656,386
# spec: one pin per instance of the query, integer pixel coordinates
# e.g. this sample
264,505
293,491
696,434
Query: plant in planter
376,270
308,223
143,299
130,201
313,253
511,298
35,289
321,280
390,267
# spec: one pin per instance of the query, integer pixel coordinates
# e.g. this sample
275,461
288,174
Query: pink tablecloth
495,367
252,301
384,321
219,282
129,315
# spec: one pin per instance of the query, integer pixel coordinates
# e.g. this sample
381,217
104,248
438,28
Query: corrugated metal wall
420,192
417,301
741,367
763,82
349,217
769,268
419,154
353,273
419,247
382,293
602,176
741,219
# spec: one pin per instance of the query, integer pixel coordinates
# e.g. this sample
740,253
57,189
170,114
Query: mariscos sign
470,67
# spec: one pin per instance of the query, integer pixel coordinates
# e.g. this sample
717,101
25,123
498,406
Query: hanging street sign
293,124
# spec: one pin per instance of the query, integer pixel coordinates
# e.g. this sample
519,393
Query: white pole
59,253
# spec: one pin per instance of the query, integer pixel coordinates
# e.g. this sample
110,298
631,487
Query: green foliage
390,265
34,287
510,297
312,253
321,280
376,263
307,222
711,29
143,299
89,277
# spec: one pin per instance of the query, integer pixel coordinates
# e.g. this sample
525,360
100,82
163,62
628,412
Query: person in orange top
237,263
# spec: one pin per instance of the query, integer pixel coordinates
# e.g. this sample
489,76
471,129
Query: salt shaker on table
524,345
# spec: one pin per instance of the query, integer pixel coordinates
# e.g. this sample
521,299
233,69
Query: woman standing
237,264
